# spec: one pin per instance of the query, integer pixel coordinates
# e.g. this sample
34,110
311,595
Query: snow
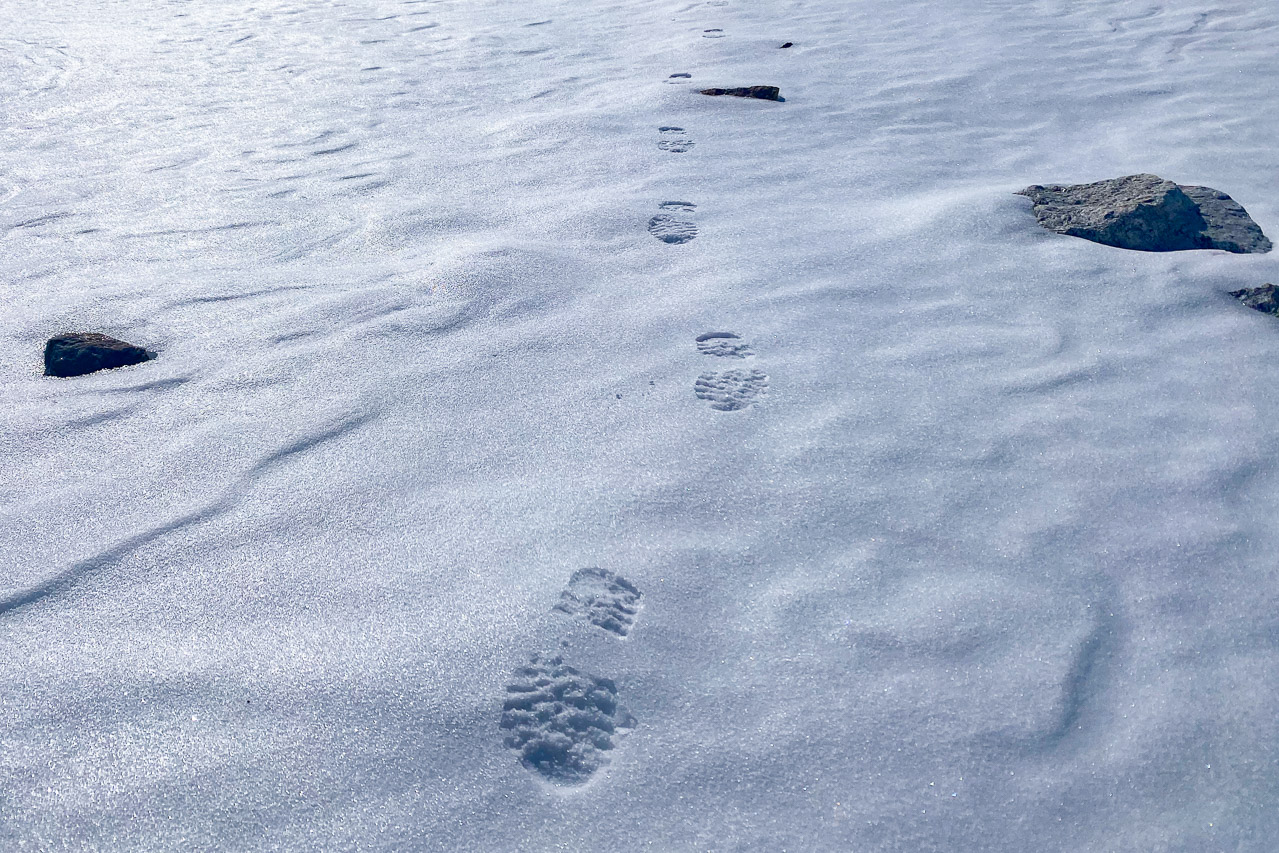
985,562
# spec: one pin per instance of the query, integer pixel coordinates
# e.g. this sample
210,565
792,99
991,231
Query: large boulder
78,353
1147,213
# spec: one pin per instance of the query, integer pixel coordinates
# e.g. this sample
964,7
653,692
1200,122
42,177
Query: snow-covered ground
987,560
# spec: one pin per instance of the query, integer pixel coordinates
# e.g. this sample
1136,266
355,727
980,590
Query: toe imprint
603,598
723,345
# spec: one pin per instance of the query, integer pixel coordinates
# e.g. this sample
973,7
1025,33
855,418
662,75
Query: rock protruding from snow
1229,226
78,353
1264,298
1148,214
562,721
763,93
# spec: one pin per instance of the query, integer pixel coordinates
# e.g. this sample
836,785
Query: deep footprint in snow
563,722
603,598
723,345
731,390
669,227
674,140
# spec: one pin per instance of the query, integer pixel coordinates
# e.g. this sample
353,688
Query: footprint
724,345
712,34
563,722
667,225
728,390
674,140
731,390
603,598
681,77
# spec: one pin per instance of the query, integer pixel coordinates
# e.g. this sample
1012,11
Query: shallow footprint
667,225
674,140
731,390
562,721
723,345
603,598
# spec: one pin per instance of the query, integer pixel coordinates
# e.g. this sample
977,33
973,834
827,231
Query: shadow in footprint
669,227
712,34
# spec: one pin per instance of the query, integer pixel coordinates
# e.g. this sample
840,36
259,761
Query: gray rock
1264,298
1229,226
763,93
78,353
1148,214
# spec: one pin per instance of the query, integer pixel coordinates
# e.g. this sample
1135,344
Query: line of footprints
563,722
724,390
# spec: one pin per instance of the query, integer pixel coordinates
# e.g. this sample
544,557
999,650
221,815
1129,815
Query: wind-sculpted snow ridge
602,598
563,722
227,501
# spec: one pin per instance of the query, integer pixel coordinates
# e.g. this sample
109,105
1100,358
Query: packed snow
542,455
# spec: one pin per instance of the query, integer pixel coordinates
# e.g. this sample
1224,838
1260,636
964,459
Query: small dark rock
1264,299
78,353
789,44
1148,214
764,93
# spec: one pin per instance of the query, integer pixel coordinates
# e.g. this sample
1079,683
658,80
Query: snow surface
986,560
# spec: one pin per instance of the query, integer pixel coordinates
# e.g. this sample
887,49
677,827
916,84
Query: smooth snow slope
989,564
